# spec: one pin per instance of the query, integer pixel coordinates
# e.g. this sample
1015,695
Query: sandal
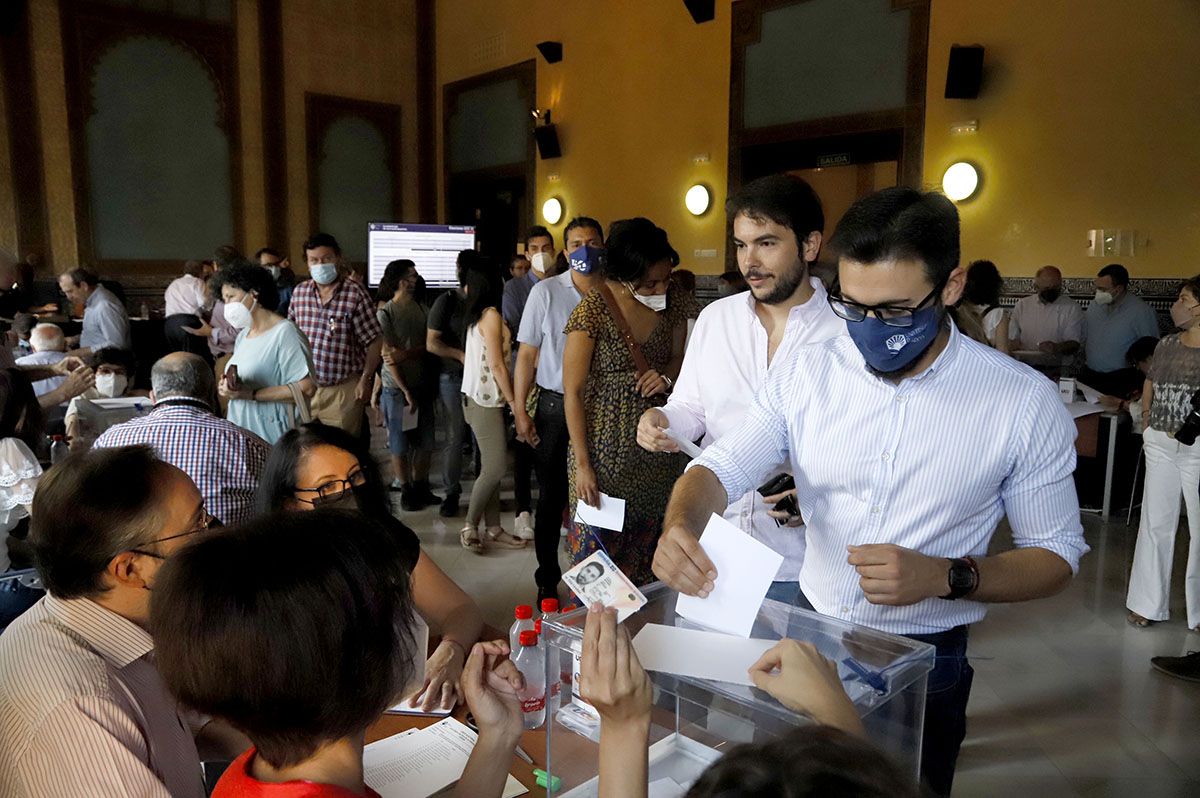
468,536
1136,620
497,535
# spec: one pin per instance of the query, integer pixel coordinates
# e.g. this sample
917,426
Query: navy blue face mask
891,349
588,260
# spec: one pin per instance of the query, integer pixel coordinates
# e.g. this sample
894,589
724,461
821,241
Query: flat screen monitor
433,247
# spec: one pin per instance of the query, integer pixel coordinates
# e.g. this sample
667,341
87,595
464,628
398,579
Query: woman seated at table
830,757
296,629
321,466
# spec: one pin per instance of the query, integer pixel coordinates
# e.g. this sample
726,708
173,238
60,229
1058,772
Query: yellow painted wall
365,50
640,91
1090,117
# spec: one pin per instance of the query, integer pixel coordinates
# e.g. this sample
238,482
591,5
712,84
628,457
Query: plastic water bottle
550,607
531,662
523,623
58,448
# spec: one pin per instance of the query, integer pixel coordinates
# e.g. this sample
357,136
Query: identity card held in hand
597,579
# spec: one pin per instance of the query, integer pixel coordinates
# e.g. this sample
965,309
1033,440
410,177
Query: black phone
781,483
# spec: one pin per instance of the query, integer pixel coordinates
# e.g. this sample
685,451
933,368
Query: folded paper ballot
687,447
420,763
698,653
745,570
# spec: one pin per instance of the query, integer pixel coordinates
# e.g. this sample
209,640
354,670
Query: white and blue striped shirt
931,464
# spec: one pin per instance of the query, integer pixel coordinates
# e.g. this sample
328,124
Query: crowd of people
221,539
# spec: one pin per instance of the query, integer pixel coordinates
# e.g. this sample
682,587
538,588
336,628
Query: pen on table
520,751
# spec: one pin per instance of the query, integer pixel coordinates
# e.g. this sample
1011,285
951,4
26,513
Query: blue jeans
450,391
400,442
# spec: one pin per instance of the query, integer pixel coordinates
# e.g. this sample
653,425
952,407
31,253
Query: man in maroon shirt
337,316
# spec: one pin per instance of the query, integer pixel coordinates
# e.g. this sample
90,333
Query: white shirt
185,295
1033,321
43,387
547,310
83,711
725,366
931,464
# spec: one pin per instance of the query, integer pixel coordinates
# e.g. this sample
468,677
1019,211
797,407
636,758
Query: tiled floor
1064,700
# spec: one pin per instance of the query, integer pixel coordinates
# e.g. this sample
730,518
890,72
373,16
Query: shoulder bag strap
639,360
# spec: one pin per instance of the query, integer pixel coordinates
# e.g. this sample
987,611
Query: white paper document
1081,409
409,419
421,641
609,515
698,653
687,447
745,570
417,764
1090,394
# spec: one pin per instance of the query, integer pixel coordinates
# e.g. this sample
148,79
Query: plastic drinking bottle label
533,704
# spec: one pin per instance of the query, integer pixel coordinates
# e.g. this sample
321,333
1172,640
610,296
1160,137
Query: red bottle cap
549,605
529,638
524,612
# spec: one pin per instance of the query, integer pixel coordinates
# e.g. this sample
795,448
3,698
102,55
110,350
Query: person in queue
539,366
321,466
624,349
300,639
83,708
1114,320
273,362
739,340
894,433
981,295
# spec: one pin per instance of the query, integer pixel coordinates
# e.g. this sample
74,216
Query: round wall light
697,199
552,210
960,181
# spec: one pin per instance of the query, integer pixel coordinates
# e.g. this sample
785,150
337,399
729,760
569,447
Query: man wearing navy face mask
338,318
540,361
909,442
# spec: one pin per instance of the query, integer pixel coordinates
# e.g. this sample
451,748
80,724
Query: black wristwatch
963,578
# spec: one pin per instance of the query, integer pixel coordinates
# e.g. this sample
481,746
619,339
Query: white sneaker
523,528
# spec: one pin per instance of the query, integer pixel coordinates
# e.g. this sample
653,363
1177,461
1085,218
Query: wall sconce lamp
960,181
698,199
552,210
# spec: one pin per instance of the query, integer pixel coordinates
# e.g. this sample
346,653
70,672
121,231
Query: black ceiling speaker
965,72
546,137
551,51
701,10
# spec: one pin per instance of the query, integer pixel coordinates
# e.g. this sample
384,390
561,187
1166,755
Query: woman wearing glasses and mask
316,465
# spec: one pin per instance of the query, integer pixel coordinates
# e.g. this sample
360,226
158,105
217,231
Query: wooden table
532,742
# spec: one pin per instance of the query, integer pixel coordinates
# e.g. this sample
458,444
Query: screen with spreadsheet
433,247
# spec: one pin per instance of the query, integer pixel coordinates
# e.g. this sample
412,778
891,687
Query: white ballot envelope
745,570
687,447
598,579
609,515
698,653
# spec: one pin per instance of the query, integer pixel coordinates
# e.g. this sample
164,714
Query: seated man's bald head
182,375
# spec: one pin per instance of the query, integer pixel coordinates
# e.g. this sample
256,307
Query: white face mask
323,273
274,270
238,315
110,385
656,302
1103,297
542,262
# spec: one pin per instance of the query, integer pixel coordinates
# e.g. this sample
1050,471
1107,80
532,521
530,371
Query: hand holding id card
598,579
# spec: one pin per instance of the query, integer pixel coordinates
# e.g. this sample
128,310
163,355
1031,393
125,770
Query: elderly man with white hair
49,347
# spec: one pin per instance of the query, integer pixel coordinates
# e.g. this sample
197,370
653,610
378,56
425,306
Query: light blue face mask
323,273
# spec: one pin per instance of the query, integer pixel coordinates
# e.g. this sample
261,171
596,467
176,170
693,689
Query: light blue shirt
549,306
105,322
1111,329
931,464
280,356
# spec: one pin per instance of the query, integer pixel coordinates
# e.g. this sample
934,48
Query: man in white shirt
540,360
49,347
909,443
1047,322
83,711
185,295
777,225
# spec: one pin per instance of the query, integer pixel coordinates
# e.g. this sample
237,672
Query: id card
597,579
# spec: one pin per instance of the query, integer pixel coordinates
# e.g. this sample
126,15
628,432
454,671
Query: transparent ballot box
695,721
